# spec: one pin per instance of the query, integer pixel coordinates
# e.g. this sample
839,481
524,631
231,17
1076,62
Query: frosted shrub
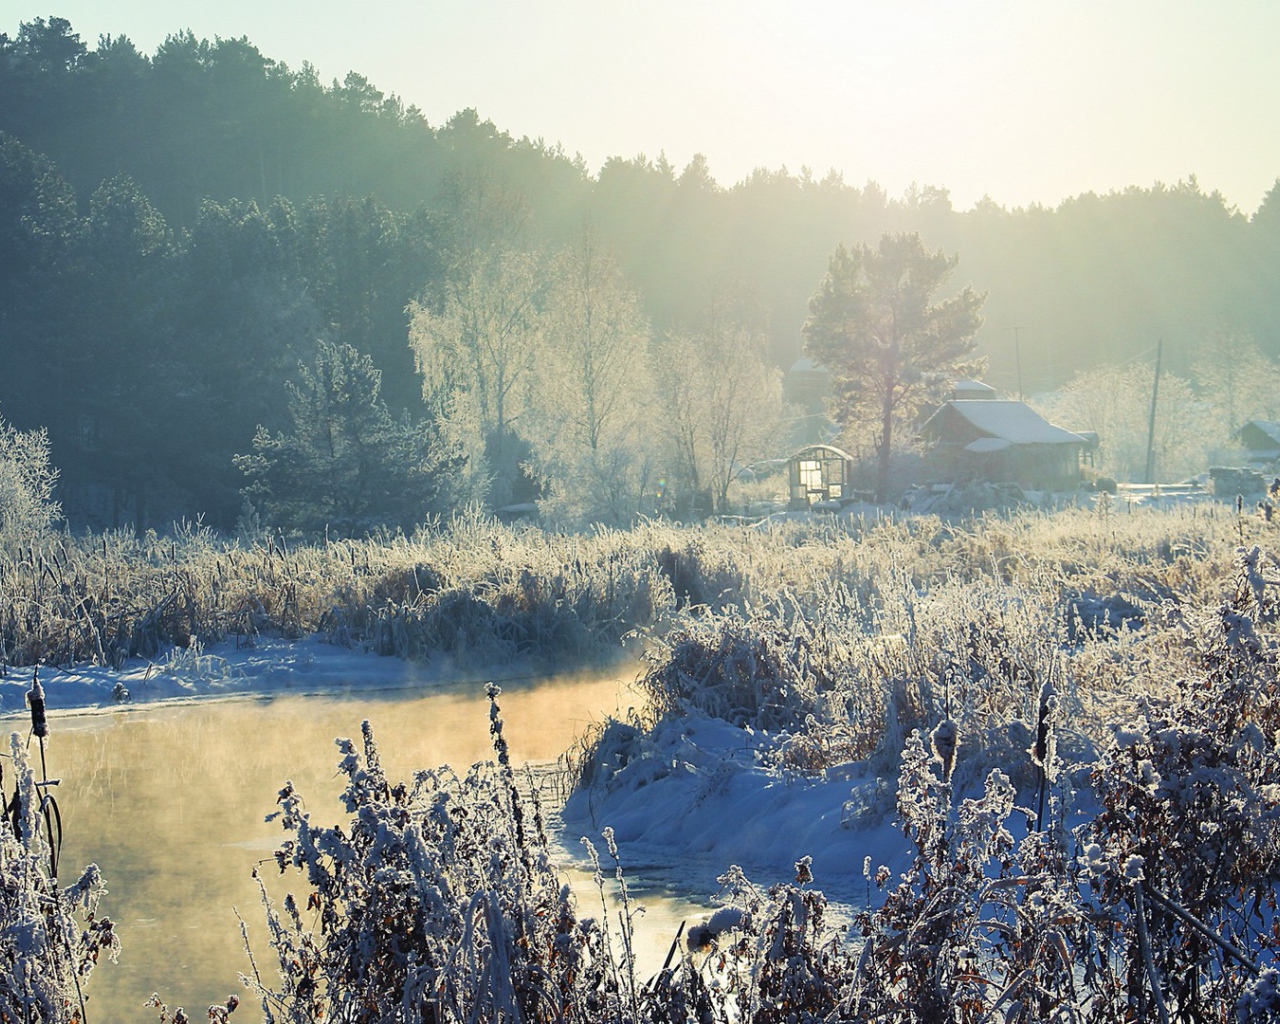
979,926
27,481
46,955
1166,911
1186,851
750,673
779,963
436,902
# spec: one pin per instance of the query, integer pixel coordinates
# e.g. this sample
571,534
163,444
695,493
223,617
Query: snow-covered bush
978,924
1160,907
1185,854
436,902
774,959
46,954
27,482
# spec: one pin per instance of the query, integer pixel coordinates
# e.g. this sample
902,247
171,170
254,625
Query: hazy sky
1024,100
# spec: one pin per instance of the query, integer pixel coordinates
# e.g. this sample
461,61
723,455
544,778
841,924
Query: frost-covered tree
890,346
1237,381
482,343
586,423
348,464
720,405
1116,403
27,482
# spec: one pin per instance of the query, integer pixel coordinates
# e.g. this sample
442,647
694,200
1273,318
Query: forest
193,243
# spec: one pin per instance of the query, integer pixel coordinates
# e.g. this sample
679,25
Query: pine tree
347,465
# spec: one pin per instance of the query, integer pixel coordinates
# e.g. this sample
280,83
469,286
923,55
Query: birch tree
588,435
478,351
721,406
27,482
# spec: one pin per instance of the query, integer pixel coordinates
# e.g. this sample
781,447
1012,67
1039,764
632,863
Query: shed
1002,440
1261,439
819,473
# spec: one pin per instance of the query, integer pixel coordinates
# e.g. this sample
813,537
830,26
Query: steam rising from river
170,803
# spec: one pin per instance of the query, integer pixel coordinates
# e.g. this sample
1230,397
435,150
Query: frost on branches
46,954
27,483
438,902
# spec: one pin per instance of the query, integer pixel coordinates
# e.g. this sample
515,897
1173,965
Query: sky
1024,101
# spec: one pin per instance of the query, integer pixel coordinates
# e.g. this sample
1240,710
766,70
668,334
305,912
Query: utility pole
1017,358
1151,420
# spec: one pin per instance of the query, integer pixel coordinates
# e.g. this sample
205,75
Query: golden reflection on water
170,802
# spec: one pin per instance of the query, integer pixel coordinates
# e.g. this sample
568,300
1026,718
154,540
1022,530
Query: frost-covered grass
1126,664
438,902
477,592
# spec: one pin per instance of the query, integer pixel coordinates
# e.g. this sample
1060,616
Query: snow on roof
1009,420
971,387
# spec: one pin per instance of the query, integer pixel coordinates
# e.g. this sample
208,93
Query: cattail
1040,752
1043,751
35,697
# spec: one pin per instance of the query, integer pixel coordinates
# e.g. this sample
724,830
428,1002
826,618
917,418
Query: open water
170,802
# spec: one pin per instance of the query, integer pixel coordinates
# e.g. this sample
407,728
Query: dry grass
908,610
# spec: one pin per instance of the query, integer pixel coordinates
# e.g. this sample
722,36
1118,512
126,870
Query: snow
703,787
696,785
684,802
225,670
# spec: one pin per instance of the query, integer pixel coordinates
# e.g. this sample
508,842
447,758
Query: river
170,802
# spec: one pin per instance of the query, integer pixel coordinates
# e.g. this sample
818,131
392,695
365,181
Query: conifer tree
889,346
347,465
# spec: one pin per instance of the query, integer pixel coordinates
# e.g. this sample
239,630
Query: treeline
152,355
177,231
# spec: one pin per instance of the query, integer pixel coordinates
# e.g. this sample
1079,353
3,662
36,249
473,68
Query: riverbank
230,669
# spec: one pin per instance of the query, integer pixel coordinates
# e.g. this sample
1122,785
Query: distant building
807,386
1001,440
1261,439
971,390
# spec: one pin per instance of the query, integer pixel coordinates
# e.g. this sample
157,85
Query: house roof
972,388
1269,428
1005,419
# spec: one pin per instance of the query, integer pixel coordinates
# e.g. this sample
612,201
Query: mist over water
171,801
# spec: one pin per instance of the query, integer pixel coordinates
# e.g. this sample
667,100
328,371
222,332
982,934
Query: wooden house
1001,440
1261,439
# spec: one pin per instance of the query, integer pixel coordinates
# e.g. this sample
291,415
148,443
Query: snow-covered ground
685,801
225,670
698,800
696,795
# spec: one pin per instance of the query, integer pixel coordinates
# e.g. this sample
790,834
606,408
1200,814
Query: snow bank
704,788
225,670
